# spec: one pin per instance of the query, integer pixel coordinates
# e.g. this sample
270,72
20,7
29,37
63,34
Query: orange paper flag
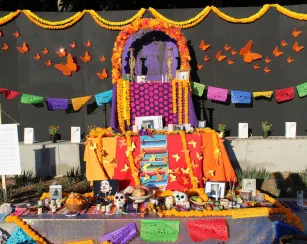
79,102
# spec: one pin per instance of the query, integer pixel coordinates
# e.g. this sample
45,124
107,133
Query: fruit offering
73,199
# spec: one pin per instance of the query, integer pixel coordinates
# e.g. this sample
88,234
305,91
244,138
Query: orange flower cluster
153,24
65,194
26,228
134,171
120,108
186,102
53,130
183,86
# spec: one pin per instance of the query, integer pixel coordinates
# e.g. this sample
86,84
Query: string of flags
244,97
58,103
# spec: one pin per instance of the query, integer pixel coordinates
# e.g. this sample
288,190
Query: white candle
108,209
52,202
217,194
98,207
39,211
169,202
47,202
103,208
135,128
59,205
53,209
162,77
170,127
40,203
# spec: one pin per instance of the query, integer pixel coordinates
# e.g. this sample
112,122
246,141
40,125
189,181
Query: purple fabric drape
113,115
57,103
192,115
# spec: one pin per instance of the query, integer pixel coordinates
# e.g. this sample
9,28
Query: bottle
300,197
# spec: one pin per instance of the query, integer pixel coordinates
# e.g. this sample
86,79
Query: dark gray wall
23,73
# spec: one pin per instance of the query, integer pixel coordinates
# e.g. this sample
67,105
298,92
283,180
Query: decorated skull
119,200
181,199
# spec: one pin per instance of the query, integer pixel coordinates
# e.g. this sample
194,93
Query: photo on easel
105,188
55,192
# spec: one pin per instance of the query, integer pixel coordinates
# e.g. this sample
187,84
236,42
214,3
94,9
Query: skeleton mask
105,186
180,197
119,199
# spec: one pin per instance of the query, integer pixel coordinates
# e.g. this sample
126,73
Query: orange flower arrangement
153,24
134,171
186,101
174,95
180,103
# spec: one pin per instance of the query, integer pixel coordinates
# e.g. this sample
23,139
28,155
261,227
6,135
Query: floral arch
153,24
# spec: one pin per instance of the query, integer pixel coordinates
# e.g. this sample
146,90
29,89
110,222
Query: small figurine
181,199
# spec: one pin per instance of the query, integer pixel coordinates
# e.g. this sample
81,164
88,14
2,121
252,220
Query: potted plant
53,132
222,129
266,128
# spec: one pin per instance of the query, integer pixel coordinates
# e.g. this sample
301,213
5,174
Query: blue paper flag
19,237
241,97
282,229
104,97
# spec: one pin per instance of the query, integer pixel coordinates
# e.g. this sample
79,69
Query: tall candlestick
170,76
131,61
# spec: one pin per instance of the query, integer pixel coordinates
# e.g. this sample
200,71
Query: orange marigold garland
186,101
128,107
99,147
134,171
180,121
174,96
119,105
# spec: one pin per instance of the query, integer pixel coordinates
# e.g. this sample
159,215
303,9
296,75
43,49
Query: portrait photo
183,74
105,188
215,189
249,185
55,192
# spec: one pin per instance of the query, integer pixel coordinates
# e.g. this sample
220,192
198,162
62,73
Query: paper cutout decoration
203,46
102,75
246,53
226,47
206,58
203,230
217,94
103,98
125,169
199,66
24,49
193,143
67,68
48,63
102,59
122,235
37,56
9,94
199,156
285,94
185,171
57,103
176,156
289,60
302,90
229,61
19,236
5,47
266,69
267,94
31,99
284,43
79,102
73,45
276,52
219,56
86,57
88,44
16,34
296,33
173,178
267,60
61,53
296,47
198,89
241,97
45,51
159,230
256,66
185,180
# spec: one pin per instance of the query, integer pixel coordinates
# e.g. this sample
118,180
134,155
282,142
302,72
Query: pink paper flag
217,94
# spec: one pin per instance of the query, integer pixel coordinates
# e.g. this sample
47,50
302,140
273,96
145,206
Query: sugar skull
119,201
181,199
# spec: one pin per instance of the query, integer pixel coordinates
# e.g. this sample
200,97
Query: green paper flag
31,99
198,89
302,89
159,230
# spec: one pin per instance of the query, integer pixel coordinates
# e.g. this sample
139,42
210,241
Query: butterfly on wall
88,44
277,52
103,75
267,70
37,56
86,57
296,33
67,68
226,47
203,46
5,47
73,45
16,34
48,63
289,60
45,51
61,53
247,54
24,48
267,60
297,48
102,59
219,56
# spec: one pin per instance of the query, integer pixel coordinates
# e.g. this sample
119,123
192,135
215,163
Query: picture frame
105,188
183,74
179,127
212,186
249,185
55,192
149,122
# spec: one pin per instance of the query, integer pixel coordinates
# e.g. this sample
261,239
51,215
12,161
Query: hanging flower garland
124,99
186,101
180,103
119,97
128,102
99,147
289,13
174,95
153,24
9,17
134,171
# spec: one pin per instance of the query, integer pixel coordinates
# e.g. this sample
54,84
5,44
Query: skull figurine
119,201
181,199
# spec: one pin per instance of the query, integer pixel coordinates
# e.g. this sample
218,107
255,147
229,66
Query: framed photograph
183,74
202,124
179,127
215,189
249,185
104,188
55,192
149,122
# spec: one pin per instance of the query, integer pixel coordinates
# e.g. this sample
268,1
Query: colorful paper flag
267,94
217,94
9,94
286,94
104,97
122,235
31,99
198,89
79,102
241,97
302,89
159,230
57,103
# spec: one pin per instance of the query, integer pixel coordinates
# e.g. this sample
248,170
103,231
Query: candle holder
170,76
131,61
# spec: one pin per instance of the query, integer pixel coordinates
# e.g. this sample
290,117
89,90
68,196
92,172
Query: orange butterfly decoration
226,47
233,52
185,180
24,49
67,68
219,56
248,55
284,43
102,75
88,44
5,47
37,57
256,66
61,53
276,52
296,33
296,47
267,70
289,60
199,66
45,51
1,33
86,57
267,60
48,63
16,34
206,58
102,59
73,45
229,61
204,46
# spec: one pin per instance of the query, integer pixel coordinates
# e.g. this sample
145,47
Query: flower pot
266,134
54,138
